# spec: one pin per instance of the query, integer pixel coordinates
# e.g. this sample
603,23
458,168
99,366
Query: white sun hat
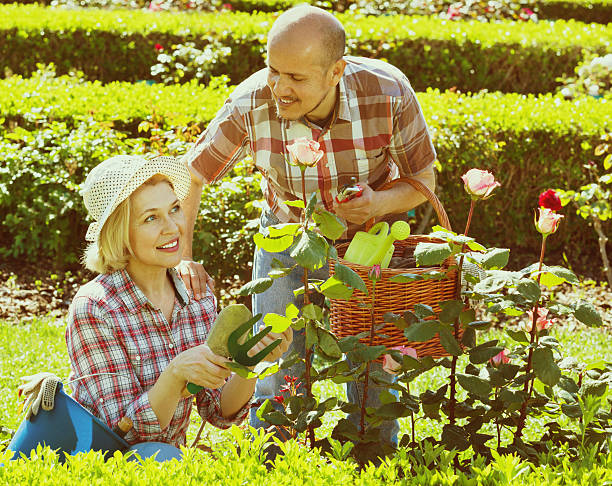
114,180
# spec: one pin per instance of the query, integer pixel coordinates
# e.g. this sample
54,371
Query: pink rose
548,221
499,358
305,152
541,321
390,365
375,273
479,183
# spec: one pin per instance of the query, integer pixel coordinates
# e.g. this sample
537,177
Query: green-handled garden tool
236,346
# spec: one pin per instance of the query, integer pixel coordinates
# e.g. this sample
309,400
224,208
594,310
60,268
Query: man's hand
360,209
195,277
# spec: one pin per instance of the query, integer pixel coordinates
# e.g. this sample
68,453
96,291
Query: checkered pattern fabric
377,134
114,330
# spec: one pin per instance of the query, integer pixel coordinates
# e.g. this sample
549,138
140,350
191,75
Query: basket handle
425,191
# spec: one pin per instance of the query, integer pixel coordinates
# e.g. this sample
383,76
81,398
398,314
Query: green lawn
39,346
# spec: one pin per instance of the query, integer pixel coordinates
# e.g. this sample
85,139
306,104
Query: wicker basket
348,318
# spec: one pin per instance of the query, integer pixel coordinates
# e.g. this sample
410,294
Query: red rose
549,199
158,47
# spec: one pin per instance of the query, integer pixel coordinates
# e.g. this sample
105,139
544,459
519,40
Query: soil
29,291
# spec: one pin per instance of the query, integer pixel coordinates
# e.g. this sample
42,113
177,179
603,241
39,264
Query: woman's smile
170,247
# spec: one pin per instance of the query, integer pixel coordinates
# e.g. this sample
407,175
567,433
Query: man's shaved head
305,22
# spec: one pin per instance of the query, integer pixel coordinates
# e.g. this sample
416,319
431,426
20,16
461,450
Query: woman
135,337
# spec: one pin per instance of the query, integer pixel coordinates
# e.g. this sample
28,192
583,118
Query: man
367,120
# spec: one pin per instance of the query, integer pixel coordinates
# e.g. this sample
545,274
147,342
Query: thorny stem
453,399
367,372
528,386
602,240
309,351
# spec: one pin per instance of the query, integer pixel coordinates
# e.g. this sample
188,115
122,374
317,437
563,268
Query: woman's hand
278,351
200,366
195,277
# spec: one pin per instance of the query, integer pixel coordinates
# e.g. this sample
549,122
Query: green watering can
375,247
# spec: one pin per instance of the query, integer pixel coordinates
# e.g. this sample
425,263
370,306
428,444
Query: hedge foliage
230,463
581,10
110,45
530,142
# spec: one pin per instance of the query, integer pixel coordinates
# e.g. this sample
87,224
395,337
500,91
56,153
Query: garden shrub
232,465
582,10
532,143
121,45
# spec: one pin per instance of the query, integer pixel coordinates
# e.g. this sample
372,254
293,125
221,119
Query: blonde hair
112,251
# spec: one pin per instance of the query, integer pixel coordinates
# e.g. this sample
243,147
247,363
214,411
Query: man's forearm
191,206
403,197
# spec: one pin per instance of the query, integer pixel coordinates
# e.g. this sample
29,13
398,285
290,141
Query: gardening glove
37,390
472,269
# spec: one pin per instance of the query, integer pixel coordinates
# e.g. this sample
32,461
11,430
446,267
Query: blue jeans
275,300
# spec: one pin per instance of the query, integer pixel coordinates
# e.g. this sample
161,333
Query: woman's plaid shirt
115,334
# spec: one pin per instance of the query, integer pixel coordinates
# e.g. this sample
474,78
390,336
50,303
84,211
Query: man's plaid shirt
115,334
377,133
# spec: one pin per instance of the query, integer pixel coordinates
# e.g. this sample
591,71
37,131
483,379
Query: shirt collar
134,299
344,112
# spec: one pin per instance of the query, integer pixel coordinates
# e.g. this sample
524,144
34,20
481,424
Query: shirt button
101,400
137,358
171,345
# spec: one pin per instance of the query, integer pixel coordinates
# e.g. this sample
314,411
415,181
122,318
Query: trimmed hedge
582,10
530,143
119,45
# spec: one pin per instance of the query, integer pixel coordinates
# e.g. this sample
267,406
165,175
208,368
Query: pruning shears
239,351
349,191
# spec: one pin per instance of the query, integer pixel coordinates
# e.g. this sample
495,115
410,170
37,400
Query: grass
26,349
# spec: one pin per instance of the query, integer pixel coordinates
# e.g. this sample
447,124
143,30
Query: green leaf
423,311
298,203
277,322
256,286
311,335
422,331
310,251
431,254
405,278
328,344
474,384
496,280
553,276
586,313
529,289
518,336
467,316
364,353
482,355
607,163
455,437
312,311
545,367
330,225
279,230
450,310
448,342
333,288
392,410
350,277
493,259
291,311
312,202
273,245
